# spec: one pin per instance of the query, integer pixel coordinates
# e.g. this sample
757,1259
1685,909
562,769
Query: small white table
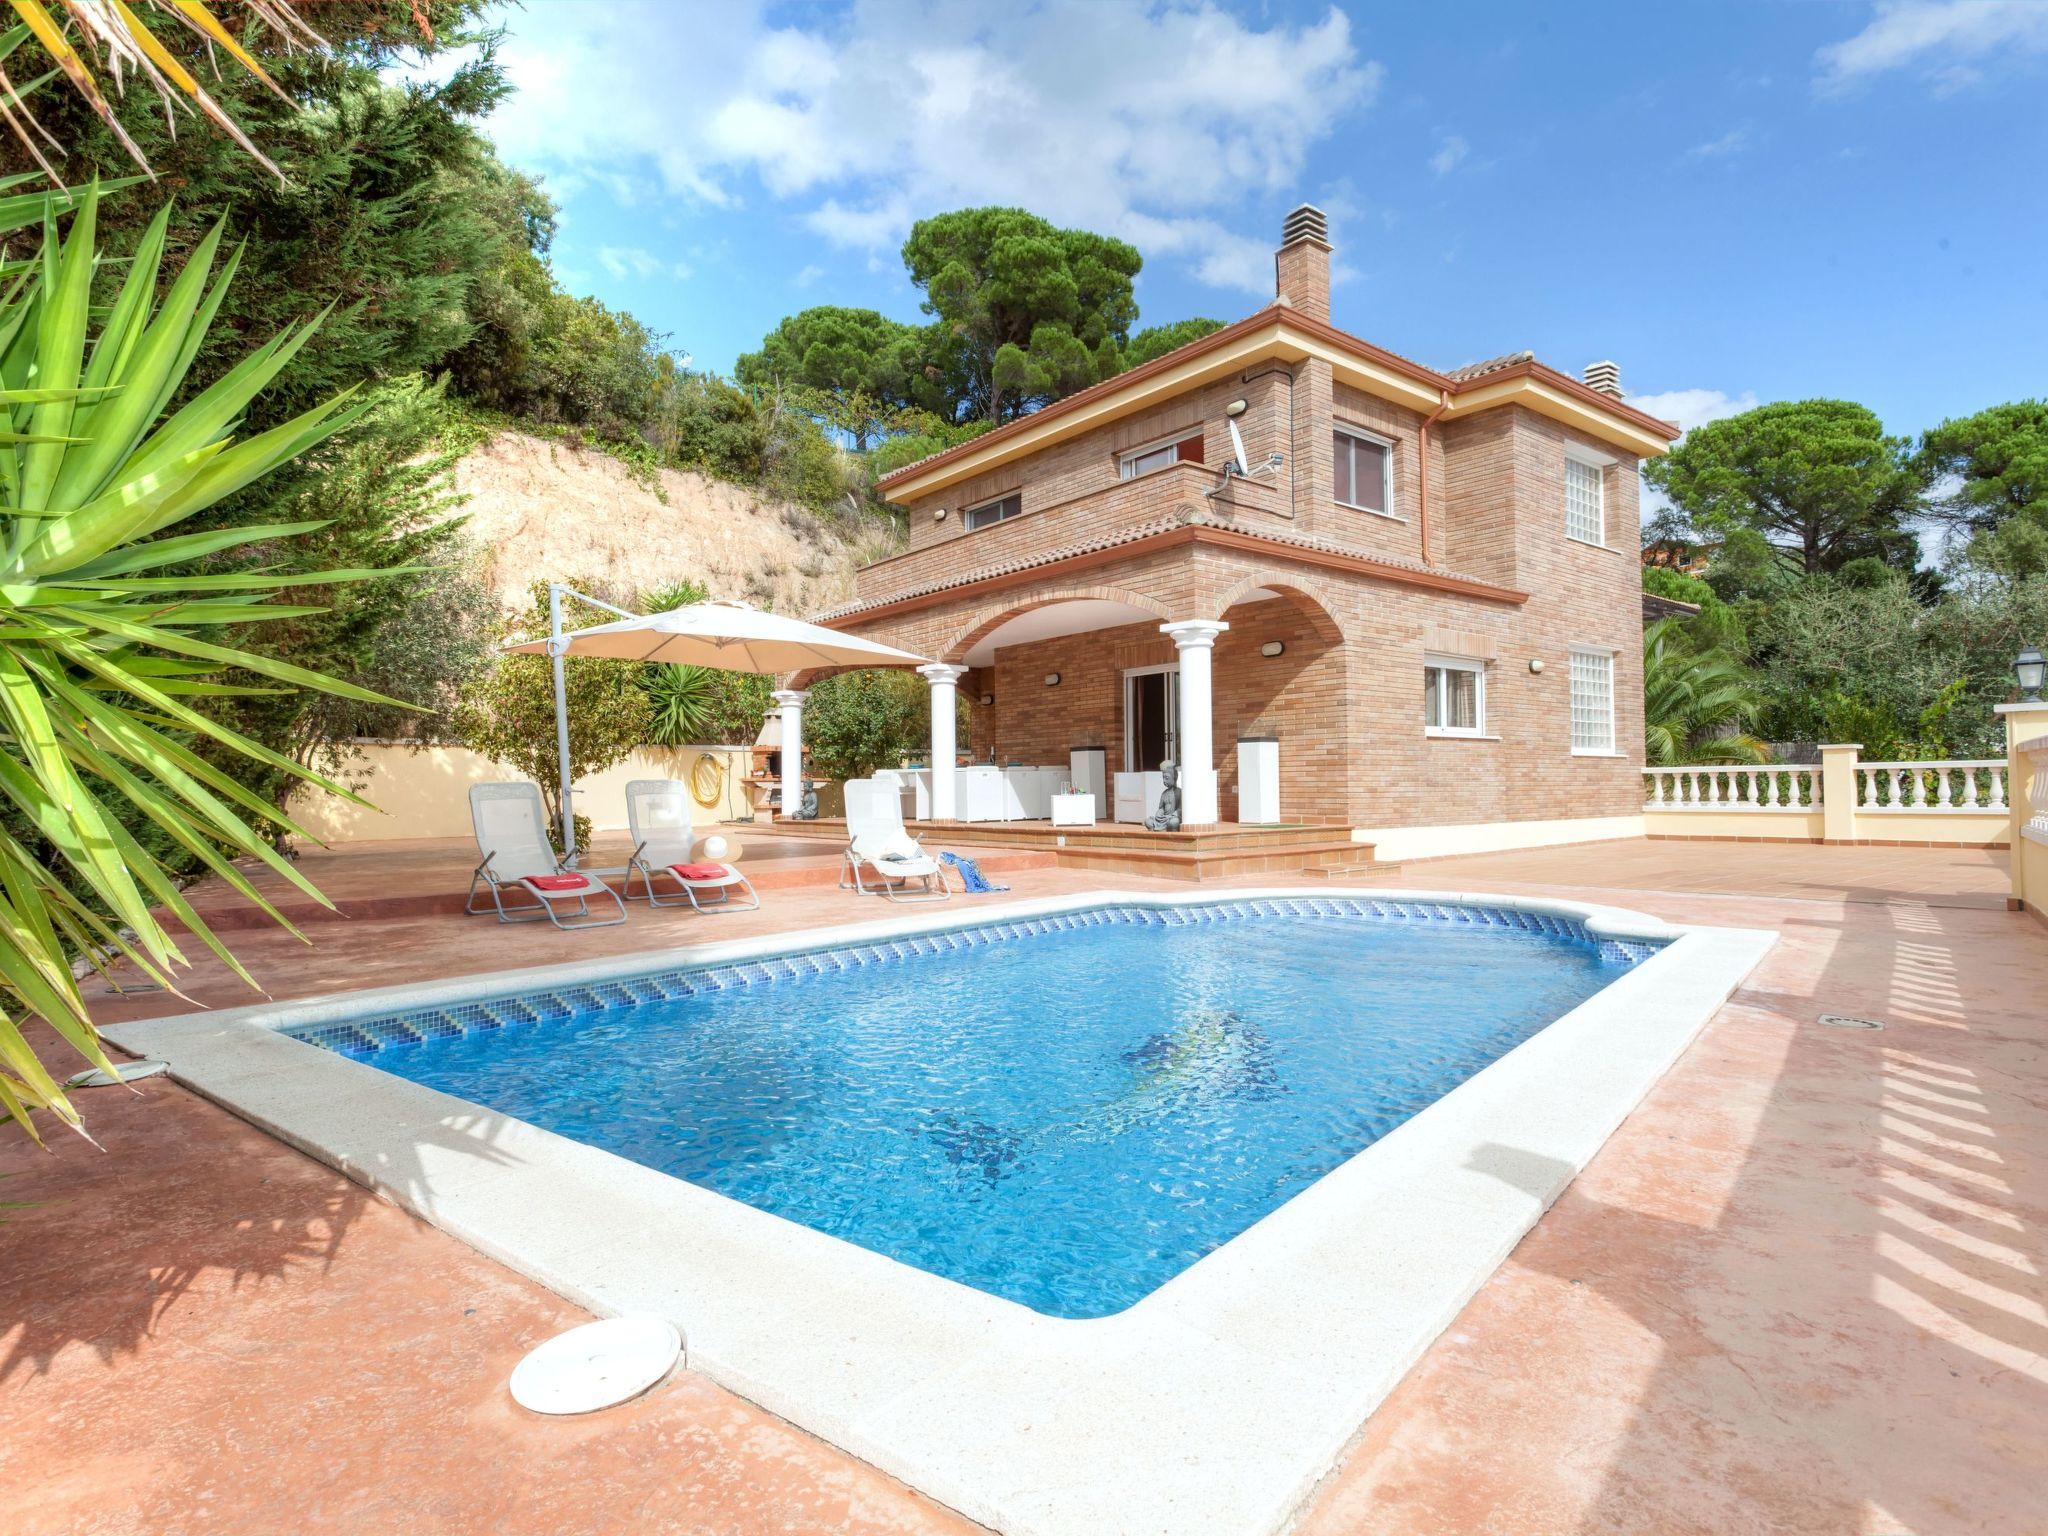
1076,810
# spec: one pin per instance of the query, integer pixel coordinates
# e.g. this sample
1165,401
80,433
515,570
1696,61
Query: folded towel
700,871
558,882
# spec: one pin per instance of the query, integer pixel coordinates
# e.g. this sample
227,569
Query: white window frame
1345,429
1605,656
1441,664
1127,461
969,525
1599,466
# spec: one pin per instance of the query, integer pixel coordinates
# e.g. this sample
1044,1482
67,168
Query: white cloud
897,109
1948,40
808,275
1733,142
1448,154
621,260
1694,407
1689,408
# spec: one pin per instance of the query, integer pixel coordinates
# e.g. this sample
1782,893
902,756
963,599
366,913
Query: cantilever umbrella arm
558,649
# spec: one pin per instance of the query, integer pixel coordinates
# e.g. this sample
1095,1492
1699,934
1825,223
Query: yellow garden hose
707,779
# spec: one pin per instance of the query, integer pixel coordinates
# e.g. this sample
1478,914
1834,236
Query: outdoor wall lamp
988,698
1052,679
1235,408
2031,668
1272,648
1535,663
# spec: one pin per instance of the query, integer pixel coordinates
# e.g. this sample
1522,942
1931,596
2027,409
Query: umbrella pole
555,649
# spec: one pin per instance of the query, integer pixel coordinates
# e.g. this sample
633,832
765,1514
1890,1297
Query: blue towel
972,880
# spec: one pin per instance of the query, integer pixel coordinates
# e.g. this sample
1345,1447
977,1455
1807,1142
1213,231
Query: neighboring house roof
1390,566
1656,607
1279,330
1491,365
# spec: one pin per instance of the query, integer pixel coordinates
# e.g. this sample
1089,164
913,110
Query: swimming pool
1210,1406
1065,1114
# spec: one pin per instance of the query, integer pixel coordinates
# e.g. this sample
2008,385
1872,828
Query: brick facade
1355,600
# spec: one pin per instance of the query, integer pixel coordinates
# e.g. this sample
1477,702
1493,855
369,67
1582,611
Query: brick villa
1423,584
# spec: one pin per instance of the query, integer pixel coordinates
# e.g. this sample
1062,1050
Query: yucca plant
104,618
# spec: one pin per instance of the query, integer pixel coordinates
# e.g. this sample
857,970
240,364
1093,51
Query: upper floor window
993,512
1585,508
1592,701
1365,470
1453,696
1142,461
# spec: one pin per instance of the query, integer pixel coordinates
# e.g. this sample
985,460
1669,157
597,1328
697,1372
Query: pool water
1067,1119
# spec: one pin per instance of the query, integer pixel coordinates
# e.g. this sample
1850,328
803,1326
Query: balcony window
1142,461
991,512
1453,697
1365,471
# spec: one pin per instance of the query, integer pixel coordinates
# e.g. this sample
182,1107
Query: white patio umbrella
733,637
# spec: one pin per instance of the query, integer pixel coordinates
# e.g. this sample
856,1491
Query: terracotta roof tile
1131,535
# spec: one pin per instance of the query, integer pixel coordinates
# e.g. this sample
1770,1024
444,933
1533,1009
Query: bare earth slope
540,510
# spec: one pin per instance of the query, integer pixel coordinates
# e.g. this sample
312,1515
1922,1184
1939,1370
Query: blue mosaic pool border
364,1037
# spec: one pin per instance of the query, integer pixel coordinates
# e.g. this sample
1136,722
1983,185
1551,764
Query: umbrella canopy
732,636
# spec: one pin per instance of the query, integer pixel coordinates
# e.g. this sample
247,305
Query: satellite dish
1244,463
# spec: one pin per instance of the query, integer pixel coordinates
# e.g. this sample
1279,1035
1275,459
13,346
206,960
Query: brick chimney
1302,268
1605,377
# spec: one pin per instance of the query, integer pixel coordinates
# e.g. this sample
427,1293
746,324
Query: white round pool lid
596,1365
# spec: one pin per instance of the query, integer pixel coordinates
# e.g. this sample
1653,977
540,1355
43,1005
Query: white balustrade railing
1956,785
1775,788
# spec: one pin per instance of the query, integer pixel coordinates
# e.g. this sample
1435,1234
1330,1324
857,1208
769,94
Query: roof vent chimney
1605,377
1302,268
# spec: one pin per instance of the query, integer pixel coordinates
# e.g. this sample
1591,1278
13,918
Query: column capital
790,697
937,672
1197,633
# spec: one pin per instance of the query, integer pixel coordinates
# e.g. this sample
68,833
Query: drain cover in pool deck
1849,1021
596,1365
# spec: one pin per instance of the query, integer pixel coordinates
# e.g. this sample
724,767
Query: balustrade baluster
1998,789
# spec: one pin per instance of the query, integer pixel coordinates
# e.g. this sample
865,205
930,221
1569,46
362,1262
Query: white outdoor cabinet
1258,780
982,791
1137,795
1088,772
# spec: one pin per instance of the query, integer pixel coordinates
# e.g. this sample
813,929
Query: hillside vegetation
537,509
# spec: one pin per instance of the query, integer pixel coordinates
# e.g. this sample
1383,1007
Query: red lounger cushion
700,871
558,882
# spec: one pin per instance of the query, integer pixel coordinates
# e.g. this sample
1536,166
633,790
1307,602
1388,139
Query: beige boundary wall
1955,803
421,793
2026,734
1403,844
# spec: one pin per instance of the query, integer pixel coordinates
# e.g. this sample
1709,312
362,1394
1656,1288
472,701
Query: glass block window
992,512
1453,697
1585,517
1592,674
1364,467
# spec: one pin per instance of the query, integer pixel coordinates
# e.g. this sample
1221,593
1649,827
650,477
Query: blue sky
1738,202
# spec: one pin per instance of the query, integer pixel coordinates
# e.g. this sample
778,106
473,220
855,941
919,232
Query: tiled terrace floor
1799,1291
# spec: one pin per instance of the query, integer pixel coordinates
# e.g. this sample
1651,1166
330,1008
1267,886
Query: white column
791,701
944,676
1195,639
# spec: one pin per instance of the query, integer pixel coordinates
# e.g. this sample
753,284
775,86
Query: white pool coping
1210,1408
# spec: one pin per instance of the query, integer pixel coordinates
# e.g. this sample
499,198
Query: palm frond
100,43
